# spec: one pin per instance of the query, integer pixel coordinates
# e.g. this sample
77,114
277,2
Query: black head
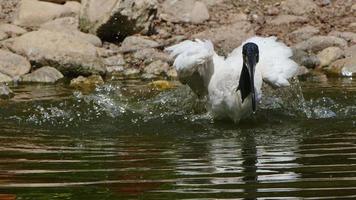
250,54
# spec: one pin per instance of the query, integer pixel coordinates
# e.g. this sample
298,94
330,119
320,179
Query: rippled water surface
127,141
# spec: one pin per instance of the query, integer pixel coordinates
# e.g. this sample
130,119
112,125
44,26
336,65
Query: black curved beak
251,65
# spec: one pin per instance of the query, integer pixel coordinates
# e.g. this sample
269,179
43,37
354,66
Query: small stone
318,43
5,78
12,30
114,69
43,75
272,11
200,13
3,36
73,6
149,55
299,7
13,65
287,19
303,33
172,73
303,58
162,85
348,36
132,72
87,83
350,51
137,42
329,55
157,68
302,70
117,60
6,92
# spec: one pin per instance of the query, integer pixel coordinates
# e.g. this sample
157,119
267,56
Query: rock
352,25
13,65
184,11
3,36
116,19
162,85
329,55
350,51
172,73
60,1
303,33
5,78
33,13
304,59
149,55
86,83
12,30
131,72
73,6
228,37
157,68
6,92
348,36
344,67
62,51
353,8
43,75
200,13
318,43
287,19
137,42
66,25
302,71
70,23
117,60
299,7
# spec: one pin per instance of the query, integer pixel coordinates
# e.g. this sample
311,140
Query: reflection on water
123,142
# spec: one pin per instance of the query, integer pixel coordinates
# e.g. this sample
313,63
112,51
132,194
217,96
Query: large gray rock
303,33
43,75
184,11
67,25
228,37
13,65
287,19
299,7
318,43
113,20
329,55
60,50
33,13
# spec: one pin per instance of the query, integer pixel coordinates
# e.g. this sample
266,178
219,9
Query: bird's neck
244,83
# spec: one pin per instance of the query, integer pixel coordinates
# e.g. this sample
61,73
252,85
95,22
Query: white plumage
217,78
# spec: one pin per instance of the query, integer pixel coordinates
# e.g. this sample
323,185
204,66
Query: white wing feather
194,63
275,63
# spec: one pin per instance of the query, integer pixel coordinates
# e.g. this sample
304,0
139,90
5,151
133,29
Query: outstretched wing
194,64
275,63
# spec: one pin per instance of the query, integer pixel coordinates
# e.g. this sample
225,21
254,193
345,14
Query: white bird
232,85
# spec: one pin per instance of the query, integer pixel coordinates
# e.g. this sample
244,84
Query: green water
125,141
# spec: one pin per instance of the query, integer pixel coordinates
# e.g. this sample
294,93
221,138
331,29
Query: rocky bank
45,41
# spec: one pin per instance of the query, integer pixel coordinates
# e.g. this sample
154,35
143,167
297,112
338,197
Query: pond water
127,141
